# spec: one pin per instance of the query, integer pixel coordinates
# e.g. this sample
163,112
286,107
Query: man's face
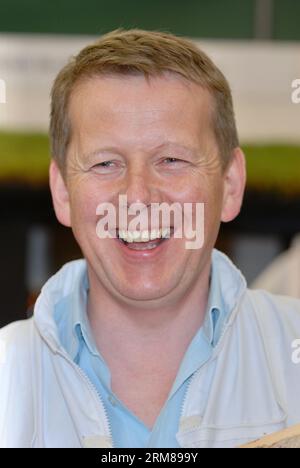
124,132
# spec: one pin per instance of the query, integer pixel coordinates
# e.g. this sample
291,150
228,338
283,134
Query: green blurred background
234,19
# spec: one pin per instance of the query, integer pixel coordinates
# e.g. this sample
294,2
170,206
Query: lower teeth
142,245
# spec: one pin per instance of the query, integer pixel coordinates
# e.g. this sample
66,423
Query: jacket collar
71,280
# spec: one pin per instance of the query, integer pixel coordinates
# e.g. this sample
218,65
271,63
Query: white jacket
47,401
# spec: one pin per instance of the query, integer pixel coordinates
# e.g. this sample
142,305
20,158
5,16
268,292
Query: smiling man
145,342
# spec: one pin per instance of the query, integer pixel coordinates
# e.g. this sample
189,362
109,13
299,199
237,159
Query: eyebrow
171,144
165,145
96,152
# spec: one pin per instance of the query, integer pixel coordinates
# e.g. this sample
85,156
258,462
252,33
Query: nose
140,186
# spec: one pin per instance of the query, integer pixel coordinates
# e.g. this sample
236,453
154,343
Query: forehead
131,107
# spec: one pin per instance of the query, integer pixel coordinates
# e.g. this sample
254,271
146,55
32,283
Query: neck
131,328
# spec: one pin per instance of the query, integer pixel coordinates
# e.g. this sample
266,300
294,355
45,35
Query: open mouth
144,240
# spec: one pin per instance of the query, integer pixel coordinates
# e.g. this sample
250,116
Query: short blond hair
149,53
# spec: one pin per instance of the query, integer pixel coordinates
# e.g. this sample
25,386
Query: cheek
83,206
210,194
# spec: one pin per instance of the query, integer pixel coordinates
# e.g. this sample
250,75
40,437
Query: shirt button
112,400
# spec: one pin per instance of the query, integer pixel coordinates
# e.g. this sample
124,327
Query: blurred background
256,43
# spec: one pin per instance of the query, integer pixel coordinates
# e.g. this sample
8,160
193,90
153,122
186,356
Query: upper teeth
144,236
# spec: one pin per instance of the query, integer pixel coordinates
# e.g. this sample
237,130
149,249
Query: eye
170,161
106,167
104,164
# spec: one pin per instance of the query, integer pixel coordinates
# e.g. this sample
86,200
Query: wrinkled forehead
133,107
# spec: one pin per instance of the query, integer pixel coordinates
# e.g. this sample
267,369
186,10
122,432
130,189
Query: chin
142,294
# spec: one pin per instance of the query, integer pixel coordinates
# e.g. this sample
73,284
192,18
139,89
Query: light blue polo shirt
127,430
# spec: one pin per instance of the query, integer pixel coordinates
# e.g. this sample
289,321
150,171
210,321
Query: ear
60,195
234,186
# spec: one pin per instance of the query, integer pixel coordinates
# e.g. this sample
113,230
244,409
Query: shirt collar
71,316
207,336
81,325
216,311
212,327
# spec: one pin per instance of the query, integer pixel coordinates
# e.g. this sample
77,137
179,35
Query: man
145,342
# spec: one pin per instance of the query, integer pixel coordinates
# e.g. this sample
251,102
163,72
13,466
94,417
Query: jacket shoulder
16,335
274,303
15,348
16,402
278,316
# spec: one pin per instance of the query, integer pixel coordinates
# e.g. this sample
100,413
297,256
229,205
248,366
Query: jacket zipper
93,390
